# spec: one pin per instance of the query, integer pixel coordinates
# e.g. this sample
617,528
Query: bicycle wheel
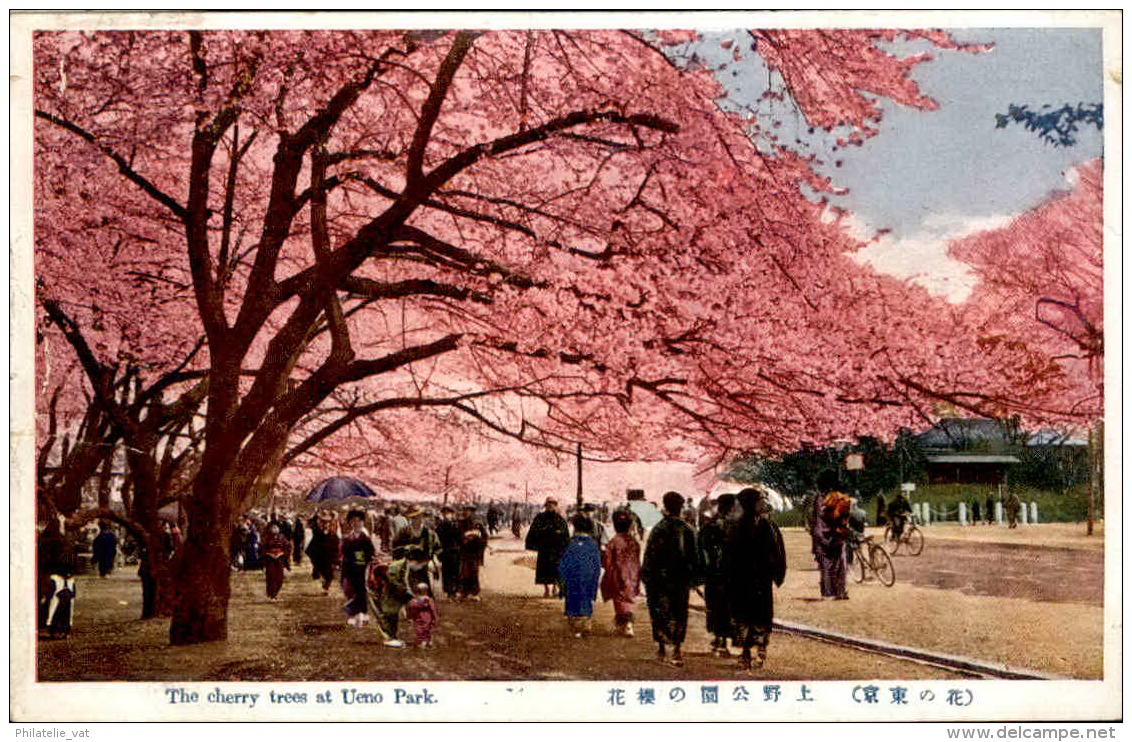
882,565
890,541
915,541
858,565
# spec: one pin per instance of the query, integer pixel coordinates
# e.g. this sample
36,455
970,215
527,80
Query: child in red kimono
622,564
421,610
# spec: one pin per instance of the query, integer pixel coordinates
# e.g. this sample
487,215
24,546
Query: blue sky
931,176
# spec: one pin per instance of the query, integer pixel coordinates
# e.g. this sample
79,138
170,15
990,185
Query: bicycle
869,557
912,537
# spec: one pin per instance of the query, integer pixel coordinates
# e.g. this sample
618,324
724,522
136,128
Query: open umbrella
339,488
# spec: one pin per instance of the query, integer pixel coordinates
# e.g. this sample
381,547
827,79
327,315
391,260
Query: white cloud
921,256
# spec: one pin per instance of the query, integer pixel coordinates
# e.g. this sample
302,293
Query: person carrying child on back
396,593
421,610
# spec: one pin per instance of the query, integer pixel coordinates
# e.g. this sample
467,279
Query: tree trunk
203,569
157,578
149,587
1096,467
202,590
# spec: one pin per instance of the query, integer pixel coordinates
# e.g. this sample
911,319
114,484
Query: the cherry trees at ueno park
565,220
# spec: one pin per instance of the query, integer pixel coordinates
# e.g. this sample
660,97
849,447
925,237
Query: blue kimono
580,570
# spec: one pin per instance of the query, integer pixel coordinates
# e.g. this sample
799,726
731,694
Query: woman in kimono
473,545
711,542
753,562
833,534
324,550
580,570
357,552
621,582
276,559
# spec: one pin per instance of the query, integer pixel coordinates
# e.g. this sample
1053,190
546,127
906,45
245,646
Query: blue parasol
339,488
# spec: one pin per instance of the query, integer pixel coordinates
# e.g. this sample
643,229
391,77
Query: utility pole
579,476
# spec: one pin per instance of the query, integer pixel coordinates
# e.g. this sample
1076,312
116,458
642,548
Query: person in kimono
276,559
669,570
473,545
580,571
357,552
323,550
754,560
395,594
56,564
711,543
833,536
421,611
621,580
548,535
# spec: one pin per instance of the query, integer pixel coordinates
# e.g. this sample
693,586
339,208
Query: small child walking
580,571
421,610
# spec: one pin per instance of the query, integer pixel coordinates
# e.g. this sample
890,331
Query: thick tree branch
124,167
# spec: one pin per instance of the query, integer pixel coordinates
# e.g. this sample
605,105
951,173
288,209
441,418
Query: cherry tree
1041,283
560,234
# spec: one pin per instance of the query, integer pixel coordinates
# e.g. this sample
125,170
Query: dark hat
550,501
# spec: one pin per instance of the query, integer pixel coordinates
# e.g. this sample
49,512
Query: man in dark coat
494,517
448,533
298,539
549,536
669,570
753,562
105,549
711,542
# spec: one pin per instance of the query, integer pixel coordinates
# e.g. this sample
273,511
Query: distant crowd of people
385,560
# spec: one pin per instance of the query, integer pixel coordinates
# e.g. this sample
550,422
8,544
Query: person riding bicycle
898,511
858,522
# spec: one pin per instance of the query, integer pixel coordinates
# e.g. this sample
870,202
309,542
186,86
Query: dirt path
507,636
515,634
1008,570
